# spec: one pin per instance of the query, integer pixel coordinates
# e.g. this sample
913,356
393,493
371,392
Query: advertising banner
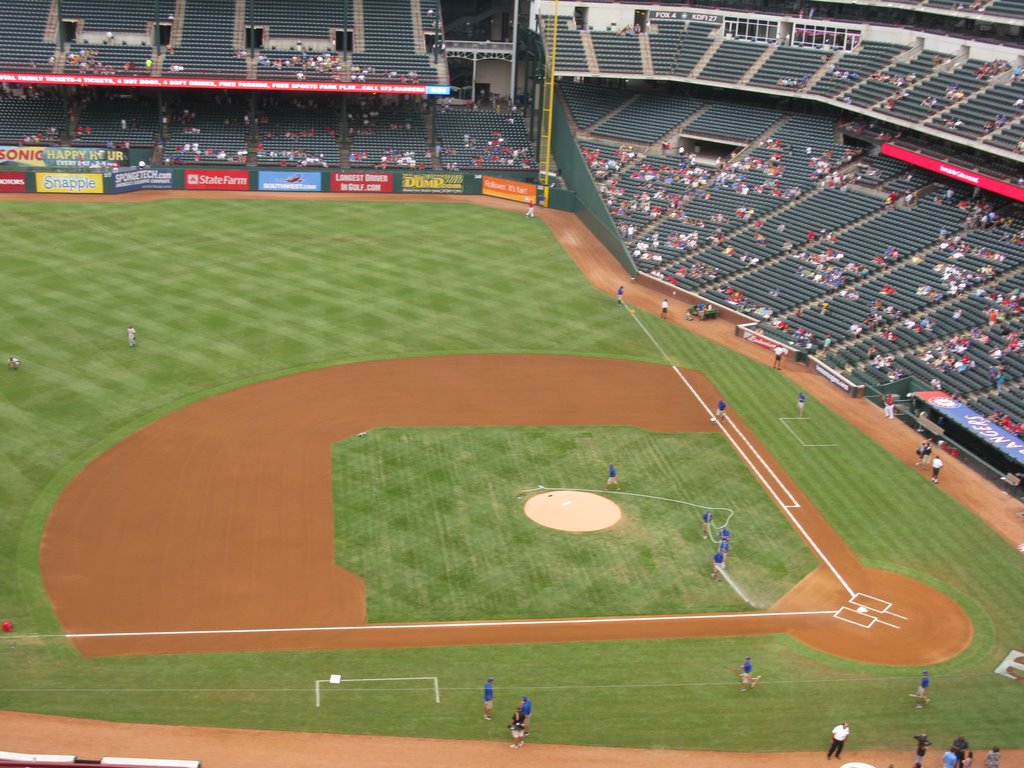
330,86
62,157
706,18
439,183
992,434
955,172
362,182
135,179
756,337
70,183
510,189
836,378
215,178
290,181
22,156
12,182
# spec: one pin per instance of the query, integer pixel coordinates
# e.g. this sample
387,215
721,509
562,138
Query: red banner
756,337
955,172
43,78
216,179
362,182
12,182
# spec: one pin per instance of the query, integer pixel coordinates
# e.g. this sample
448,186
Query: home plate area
866,611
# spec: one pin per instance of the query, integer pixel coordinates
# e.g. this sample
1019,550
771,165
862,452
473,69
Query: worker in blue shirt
706,523
527,708
718,563
721,410
488,699
922,690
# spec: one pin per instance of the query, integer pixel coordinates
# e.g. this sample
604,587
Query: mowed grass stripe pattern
432,520
229,291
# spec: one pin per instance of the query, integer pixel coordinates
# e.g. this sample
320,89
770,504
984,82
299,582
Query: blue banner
979,425
134,179
290,181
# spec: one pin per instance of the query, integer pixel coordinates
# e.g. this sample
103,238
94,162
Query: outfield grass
403,496
224,292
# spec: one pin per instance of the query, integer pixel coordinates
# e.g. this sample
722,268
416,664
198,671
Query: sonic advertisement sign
62,157
285,181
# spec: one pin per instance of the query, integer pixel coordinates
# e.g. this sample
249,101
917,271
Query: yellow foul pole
549,106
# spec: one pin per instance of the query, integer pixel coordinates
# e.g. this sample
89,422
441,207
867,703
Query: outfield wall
243,179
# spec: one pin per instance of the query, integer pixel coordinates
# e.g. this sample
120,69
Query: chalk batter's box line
875,604
863,620
872,602
851,616
784,419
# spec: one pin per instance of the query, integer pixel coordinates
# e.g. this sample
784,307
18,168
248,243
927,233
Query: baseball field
315,460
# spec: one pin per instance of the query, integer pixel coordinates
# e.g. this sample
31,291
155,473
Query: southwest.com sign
70,183
283,181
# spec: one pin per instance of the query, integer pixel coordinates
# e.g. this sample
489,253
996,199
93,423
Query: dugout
988,448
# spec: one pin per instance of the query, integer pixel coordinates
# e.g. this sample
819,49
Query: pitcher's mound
572,510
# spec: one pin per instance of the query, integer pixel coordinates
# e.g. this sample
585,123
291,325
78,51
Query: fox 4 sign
1012,666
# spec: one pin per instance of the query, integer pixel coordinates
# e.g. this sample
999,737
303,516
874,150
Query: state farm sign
210,179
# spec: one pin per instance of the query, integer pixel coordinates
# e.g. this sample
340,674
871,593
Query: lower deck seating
480,138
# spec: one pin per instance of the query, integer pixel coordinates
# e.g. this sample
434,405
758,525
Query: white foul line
786,508
446,625
784,419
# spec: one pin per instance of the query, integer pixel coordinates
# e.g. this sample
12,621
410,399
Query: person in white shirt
936,468
839,736
779,352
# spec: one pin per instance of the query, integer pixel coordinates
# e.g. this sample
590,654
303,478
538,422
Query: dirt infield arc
211,529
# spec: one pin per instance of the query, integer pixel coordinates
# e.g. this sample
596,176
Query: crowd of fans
88,61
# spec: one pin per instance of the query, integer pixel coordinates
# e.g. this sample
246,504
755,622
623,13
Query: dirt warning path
225,748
